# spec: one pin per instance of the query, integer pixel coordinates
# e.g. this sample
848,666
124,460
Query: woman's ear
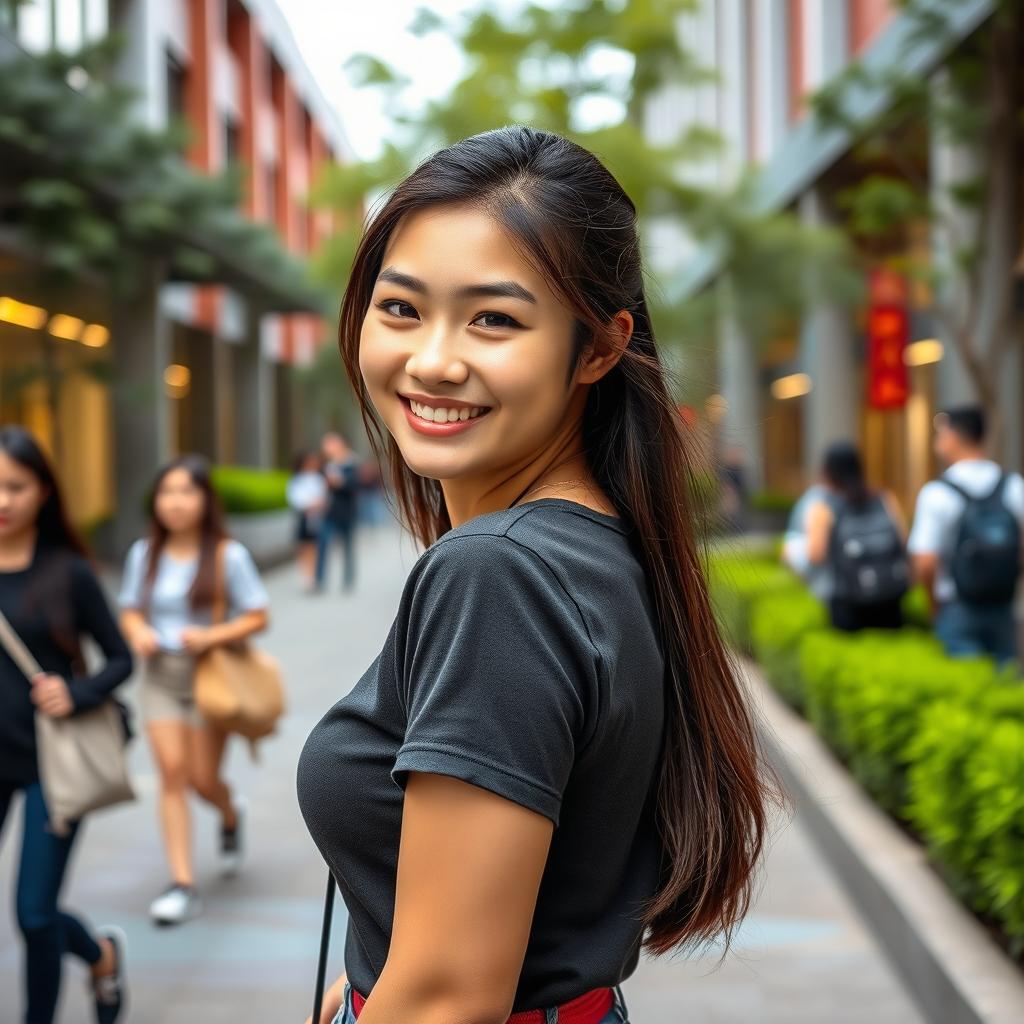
606,349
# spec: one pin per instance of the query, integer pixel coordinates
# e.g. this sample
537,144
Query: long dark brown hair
58,544
211,530
570,218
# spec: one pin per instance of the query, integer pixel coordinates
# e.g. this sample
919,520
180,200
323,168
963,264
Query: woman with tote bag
50,597
168,598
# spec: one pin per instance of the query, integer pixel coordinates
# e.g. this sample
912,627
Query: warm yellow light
716,407
67,327
793,386
21,313
177,379
921,353
95,336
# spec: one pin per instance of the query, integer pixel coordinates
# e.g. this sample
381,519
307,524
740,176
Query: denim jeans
48,932
969,630
616,1015
328,532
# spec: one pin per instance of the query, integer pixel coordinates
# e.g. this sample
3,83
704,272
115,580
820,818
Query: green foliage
779,623
938,742
967,800
244,490
772,501
100,191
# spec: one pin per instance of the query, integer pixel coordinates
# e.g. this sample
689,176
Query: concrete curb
950,966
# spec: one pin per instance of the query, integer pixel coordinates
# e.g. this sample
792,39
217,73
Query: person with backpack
858,537
341,470
172,582
966,541
50,597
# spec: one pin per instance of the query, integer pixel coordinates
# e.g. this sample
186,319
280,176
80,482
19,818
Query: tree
975,104
553,67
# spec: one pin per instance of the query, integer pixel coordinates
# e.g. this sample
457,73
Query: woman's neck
18,549
558,470
182,543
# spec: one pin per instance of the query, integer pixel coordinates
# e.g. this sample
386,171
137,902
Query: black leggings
850,617
48,932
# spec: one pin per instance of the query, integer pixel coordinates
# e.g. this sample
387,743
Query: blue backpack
985,564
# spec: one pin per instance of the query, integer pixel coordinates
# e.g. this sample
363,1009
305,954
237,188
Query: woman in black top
551,762
51,597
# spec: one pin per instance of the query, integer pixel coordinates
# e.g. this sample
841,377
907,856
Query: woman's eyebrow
496,289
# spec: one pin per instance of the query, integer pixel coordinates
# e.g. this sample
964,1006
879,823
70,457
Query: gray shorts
168,689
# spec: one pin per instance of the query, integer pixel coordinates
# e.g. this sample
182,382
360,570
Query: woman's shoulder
236,553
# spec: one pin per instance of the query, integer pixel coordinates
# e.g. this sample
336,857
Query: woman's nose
437,359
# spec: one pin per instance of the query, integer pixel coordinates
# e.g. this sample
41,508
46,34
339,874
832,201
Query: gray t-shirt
168,609
525,660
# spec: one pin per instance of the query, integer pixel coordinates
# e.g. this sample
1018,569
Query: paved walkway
802,956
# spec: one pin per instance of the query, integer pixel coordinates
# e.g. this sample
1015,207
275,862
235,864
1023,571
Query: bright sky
329,33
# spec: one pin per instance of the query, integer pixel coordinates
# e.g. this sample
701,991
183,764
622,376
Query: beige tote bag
82,763
239,689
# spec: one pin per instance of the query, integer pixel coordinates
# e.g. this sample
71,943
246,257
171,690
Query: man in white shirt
965,627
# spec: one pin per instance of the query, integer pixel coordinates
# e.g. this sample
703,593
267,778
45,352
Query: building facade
207,366
820,380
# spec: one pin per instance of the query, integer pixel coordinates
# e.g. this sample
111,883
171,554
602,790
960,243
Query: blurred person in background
794,544
307,495
167,598
966,540
734,493
858,536
554,698
50,596
341,470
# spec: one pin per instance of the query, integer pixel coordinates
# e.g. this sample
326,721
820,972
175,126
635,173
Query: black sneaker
232,841
110,992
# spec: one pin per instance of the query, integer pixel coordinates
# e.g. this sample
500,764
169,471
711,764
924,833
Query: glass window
176,83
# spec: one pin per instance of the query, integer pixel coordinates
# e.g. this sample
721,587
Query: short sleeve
499,680
130,595
926,533
246,592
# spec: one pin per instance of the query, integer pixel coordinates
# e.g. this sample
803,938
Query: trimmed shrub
779,623
244,490
737,580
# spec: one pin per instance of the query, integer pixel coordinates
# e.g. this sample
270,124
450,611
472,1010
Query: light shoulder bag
82,762
238,688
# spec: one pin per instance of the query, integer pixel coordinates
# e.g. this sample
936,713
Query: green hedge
938,742
244,490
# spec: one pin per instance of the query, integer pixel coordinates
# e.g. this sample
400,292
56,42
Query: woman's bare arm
469,869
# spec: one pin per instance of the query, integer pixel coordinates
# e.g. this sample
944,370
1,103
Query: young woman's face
22,495
179,503
465,350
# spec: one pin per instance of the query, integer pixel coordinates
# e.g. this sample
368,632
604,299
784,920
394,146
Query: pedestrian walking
576,764
858,537
341,470
966,540
51,598
170,587
307,495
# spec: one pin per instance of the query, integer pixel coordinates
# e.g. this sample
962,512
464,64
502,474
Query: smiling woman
551,763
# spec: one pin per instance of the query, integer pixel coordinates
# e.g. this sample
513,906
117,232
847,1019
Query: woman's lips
423,426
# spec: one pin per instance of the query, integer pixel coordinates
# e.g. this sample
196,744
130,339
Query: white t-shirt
307,490
169,609
939,508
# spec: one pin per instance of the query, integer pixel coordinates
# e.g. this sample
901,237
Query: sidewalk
801,957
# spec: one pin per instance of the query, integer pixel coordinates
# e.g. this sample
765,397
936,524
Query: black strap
1000,483
325,941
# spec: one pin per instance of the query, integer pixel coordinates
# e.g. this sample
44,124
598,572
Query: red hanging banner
888,331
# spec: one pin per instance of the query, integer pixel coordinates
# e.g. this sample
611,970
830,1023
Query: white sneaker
232,843
176,905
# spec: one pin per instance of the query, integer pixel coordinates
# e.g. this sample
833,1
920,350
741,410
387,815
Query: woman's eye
496,320
395,307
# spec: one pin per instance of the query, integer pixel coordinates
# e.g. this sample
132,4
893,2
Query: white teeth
433,415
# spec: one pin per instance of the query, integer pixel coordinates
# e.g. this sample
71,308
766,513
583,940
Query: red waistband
589,1008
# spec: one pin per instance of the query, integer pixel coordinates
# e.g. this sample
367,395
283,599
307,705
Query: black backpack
985,563
866,553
